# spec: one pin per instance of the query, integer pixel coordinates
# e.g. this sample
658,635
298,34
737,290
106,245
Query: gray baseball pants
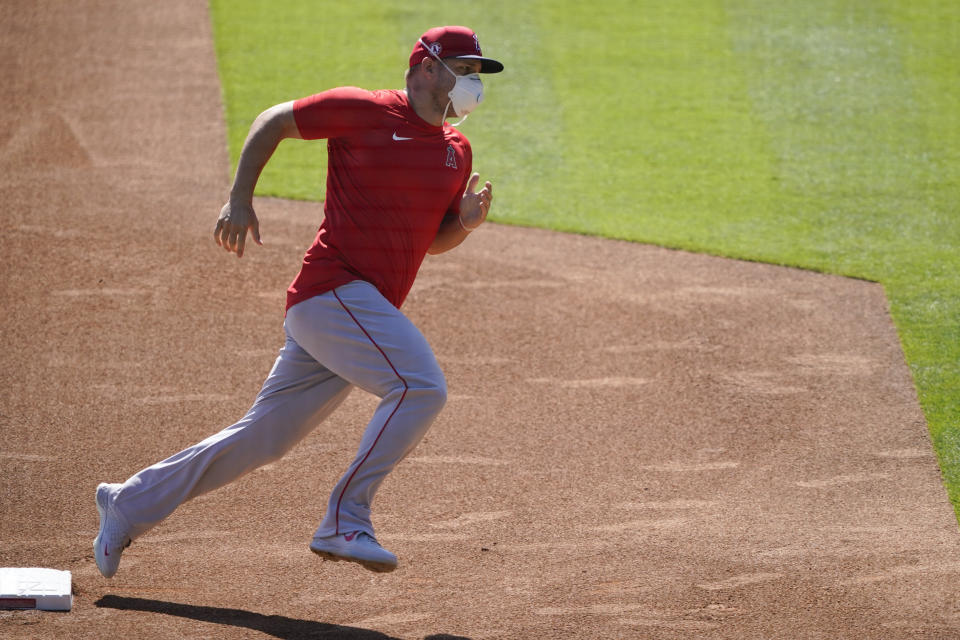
348,337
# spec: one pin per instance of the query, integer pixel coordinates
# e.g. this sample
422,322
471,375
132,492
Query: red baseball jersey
391,179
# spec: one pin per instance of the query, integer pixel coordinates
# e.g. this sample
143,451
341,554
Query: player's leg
295,397
370,343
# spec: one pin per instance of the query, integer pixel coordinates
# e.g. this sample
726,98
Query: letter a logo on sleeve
451,157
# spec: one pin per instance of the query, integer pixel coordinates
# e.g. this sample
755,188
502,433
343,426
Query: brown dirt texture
638,443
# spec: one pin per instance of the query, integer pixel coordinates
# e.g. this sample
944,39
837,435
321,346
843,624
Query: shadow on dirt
276,626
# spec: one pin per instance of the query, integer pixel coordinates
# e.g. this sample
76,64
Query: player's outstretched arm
473,211
237,216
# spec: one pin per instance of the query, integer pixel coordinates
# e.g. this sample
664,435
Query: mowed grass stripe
828,83
656,141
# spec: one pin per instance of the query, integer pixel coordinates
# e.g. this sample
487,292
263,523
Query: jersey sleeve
334,113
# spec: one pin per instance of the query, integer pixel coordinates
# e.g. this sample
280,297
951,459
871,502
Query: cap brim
487,65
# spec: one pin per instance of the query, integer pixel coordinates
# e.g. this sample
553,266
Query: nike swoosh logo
350,536
398,138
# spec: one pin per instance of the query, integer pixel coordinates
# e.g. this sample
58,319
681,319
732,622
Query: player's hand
231,232
475,206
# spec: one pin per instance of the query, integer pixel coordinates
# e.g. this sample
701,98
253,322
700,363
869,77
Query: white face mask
467,92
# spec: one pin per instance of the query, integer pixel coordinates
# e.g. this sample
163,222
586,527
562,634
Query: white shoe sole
371,565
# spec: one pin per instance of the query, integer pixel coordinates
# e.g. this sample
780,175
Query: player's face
445,80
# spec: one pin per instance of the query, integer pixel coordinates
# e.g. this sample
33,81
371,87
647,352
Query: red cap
453,42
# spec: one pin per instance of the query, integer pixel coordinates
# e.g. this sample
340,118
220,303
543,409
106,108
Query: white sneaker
357,546
112,538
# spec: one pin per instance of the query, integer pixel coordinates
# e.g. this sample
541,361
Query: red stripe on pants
386,422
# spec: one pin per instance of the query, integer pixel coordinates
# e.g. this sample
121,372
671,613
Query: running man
399,185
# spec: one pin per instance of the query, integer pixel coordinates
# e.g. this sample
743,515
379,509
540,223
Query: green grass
823,134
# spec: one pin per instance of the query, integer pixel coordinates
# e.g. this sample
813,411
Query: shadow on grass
276,626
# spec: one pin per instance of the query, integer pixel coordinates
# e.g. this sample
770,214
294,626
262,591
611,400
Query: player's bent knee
438,394
431,390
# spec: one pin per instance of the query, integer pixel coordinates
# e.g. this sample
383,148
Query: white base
35,588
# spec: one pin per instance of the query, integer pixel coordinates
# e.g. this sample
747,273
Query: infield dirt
638,443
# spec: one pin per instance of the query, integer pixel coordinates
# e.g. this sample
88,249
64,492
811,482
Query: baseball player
399,186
